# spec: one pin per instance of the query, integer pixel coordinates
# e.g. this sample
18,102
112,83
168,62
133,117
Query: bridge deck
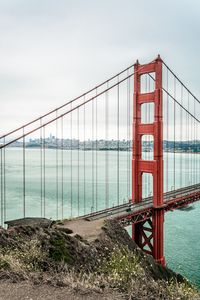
133,213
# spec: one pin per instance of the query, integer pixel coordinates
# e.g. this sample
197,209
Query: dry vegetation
55,258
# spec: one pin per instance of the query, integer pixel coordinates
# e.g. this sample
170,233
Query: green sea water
84,184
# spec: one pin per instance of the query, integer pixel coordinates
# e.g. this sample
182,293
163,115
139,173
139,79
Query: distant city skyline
52,142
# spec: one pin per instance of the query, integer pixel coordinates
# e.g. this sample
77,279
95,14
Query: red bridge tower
149,234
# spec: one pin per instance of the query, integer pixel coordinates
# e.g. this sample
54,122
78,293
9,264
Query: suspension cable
177,102
181,82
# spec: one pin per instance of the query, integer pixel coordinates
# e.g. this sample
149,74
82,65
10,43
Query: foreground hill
79,259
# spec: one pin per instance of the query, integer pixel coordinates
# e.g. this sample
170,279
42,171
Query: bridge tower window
147,113
147,147
147,185
147,83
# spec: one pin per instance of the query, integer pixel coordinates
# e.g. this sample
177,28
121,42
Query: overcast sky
51,51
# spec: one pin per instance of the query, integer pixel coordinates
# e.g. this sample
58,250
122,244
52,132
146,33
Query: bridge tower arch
149,235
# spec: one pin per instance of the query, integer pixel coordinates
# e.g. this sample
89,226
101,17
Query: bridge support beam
149,235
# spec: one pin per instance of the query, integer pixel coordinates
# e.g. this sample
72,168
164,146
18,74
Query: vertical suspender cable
71,196
62,169
188,130
84,173
41,170
44,171
195,145
24,178
127,138
4,181
190,139
96,154
189,142
78,163
145,178
192,145
181,135
197,153
118,141
93,154
144,140
150,141
190,160
174,131
167,146
186,156
1,187
193,156
148,138
106,149
57,205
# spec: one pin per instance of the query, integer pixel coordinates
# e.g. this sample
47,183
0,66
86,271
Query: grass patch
28,258
182,290
121,268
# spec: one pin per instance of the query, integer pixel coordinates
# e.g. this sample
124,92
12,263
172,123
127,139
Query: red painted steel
146,213
152,243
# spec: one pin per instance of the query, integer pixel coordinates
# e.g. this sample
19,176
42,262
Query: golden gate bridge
145,105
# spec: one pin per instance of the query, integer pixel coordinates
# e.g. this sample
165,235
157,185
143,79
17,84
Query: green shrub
59,251
121,267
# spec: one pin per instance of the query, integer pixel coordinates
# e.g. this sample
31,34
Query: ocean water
84,184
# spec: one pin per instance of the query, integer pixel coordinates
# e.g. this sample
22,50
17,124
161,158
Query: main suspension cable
187,111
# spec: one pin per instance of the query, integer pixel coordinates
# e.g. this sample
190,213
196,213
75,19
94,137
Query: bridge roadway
129,213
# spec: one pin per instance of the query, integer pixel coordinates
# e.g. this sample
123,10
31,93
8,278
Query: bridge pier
149,235
158,236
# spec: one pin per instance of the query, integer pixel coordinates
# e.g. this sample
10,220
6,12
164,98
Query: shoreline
102,149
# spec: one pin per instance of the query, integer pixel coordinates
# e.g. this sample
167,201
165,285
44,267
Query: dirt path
27,291
89,230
